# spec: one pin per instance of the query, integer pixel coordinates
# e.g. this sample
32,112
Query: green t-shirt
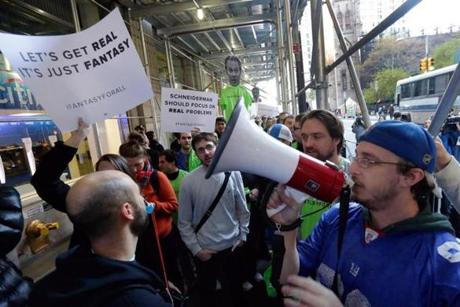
178,181
176,186
313,209
296,145
229,98
193,161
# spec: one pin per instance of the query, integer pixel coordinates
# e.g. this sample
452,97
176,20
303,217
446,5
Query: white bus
419,95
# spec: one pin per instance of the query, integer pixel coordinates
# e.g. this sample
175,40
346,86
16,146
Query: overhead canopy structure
247,29
261,32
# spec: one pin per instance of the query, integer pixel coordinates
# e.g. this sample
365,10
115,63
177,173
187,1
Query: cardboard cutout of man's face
233,70
255,93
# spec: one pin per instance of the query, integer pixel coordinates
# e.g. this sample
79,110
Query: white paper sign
266,109
29,154
183,110
93,74
2,172
53,139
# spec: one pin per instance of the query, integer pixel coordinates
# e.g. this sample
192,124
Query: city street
350,141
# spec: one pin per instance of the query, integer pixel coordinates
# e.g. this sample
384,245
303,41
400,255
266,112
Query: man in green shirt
322,136
186,157
230,95
167,163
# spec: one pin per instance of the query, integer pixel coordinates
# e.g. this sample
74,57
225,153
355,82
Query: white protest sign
2,172
183,110
266,109
94,74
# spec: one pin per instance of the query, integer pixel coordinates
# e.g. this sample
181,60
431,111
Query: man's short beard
323,157
141,221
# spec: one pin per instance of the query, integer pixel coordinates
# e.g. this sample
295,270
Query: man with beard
230,95
186,157
296,132
322,138
214,240
395,251
109,209
220,126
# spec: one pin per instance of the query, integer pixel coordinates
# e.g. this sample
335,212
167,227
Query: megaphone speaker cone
246,147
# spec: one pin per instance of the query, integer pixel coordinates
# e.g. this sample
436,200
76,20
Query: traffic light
424,65
430,63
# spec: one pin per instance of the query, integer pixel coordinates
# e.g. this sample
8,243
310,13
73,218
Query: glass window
420,88
17,161
340,19
406,90
431,84
440,83
344,79
347,20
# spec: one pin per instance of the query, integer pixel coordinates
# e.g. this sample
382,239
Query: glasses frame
203,150
371,163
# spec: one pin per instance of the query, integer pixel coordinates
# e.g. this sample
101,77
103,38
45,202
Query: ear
127,211
413,176
336,142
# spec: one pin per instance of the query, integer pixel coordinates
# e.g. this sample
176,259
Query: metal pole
392,18
279,29
320,60
302,101
351,68
200,76
147,71
446,103
306,87
169,61
287,16
76,21
277,74
426,46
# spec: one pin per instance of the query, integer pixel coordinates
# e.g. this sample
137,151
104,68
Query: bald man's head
95,201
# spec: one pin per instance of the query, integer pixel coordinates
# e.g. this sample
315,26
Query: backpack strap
214,203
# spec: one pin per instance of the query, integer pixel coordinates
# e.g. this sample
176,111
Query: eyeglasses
366,163
208,147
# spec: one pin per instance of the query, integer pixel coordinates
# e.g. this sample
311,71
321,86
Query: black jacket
53,190
14,289
82,278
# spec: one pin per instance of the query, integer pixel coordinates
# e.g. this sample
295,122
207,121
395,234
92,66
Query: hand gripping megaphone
246,147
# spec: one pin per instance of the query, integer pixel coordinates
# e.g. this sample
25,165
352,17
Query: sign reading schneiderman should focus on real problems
94,74
184,110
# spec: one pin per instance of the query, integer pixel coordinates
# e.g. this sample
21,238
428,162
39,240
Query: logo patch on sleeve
450,251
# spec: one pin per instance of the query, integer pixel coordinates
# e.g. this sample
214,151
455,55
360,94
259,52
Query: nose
307,142
354,167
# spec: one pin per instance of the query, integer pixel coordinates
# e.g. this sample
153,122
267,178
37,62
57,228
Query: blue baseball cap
280,131
406,140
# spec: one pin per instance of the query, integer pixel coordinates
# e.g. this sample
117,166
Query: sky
430,14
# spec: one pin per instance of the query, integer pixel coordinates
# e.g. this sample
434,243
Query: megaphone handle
299,197
272,212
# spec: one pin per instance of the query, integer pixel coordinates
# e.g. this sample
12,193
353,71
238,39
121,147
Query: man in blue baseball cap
395,251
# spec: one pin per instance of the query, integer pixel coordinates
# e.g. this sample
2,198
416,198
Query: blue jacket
415,264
